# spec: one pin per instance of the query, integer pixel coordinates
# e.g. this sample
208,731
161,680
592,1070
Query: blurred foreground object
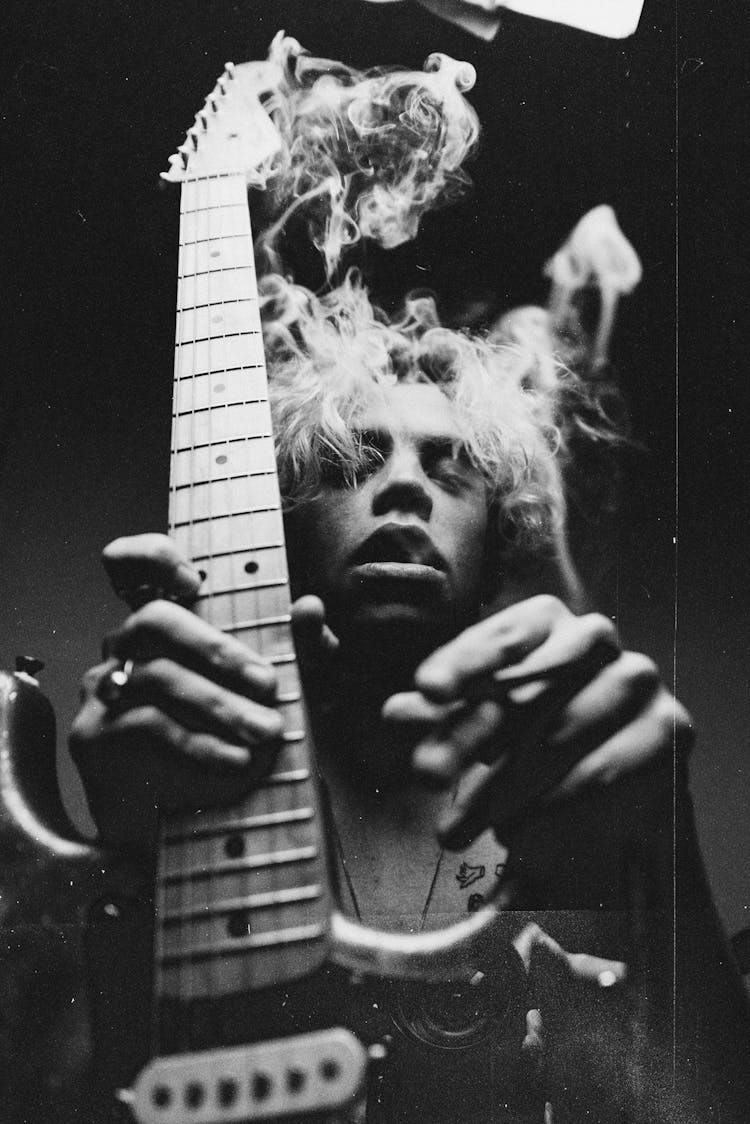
614,18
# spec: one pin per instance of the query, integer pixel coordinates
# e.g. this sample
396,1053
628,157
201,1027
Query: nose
402,486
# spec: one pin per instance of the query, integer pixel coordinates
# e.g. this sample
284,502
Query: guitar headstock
232,132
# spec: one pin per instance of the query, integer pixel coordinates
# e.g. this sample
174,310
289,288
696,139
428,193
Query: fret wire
221,371
204,241
249,588
201,210
240,550
240,823
227,300
224,515
224,480
249,626
218,336
253,862
232,945
264,900
220,406
206,272
224,441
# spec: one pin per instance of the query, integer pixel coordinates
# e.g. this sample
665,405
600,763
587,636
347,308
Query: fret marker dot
194,1094
219,387
222,458
329,1069
217,319
202,575
261,1086
234,846
228,1092
251,567
295,1080
238,925
161,1096
215,253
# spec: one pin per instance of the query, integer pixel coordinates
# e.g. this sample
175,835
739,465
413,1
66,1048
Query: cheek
324,534
469,543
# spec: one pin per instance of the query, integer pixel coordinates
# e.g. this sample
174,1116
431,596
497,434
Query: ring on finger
114,683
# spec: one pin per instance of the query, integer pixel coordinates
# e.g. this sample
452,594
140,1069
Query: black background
99,94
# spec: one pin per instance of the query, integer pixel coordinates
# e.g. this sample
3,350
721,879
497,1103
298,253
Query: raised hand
531,707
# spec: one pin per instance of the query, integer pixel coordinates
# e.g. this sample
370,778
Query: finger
198,703
137,563
550,772
545,959
464,736
142,762
661,730
502,639
98,735
576,649
162,629
413,710
488,731
550,733
311,632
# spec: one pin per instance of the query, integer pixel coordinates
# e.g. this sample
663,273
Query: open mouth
400,550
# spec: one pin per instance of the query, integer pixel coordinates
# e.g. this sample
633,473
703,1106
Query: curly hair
516,404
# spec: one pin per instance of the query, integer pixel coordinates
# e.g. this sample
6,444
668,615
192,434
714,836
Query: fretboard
242,893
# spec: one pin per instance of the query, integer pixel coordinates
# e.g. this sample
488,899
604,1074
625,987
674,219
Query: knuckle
80,734
89,682
684,727
669,718
549,606
640,670
599,628
149,623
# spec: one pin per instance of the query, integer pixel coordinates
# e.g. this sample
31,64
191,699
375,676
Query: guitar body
62,902
76,938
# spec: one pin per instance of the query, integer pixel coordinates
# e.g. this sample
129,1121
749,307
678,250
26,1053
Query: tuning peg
176,168
193,139
221,88
229,69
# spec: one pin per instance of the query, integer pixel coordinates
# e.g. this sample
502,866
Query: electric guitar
206,990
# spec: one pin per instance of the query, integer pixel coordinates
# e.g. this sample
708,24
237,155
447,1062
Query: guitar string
210,969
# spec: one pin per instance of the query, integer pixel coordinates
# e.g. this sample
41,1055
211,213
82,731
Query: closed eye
448,463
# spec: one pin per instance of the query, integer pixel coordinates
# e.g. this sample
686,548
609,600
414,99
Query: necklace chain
353,892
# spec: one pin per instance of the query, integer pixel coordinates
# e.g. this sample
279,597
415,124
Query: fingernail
435,682
610,978
434,763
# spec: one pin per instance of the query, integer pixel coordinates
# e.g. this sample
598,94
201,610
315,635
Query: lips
404,544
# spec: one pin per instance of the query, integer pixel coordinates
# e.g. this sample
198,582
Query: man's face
398,558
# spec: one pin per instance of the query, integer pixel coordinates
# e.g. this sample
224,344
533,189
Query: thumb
312,636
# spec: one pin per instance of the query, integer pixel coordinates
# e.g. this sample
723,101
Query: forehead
411,410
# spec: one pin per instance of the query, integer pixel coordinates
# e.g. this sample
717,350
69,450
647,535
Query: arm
583,773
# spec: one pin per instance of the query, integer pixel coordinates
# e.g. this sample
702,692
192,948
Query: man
422,476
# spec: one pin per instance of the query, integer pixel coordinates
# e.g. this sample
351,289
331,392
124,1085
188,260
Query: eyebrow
443,443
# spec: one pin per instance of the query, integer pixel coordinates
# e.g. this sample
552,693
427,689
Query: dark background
99,94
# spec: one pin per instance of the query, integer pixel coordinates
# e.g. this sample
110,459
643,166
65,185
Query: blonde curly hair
515,402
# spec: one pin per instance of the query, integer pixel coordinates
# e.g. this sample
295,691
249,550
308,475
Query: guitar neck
242,893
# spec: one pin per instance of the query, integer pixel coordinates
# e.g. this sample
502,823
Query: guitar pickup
308,1073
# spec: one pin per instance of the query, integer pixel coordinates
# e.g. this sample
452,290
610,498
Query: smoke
364,154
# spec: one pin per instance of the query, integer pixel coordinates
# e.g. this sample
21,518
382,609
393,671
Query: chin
398,636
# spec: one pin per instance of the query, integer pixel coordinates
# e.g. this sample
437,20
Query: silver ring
114,683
